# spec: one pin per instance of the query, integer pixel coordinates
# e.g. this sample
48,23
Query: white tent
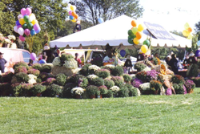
115,32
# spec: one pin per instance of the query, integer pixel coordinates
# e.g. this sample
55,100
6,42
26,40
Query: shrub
97,82
25,89
6,77
34,72
117,71
139,66
46,69
67,90
103,89
109,83
85,70
50,81
192,72
52,90
178,79
37,66
93,68
66,57
178,88
132,90
39,80
43,76
21,69
123,92
103,73
155,85
115,90
22,77
61,79
79,80
18,64
17,89
38,88
189,84
109,94
142,76
118,81
77,91
92,90
151,75
127,78
136,82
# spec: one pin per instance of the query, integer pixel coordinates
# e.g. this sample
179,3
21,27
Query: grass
145,114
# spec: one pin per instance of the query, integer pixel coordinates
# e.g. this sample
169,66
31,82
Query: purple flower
152,75
136,82
189,84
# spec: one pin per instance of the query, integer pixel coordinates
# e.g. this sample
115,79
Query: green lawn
145,114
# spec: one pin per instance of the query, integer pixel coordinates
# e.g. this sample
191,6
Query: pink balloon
70,12
27,32
23,11
36,27
33,56
22,38
28,11
19,26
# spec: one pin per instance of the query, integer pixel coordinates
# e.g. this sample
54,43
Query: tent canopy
115,32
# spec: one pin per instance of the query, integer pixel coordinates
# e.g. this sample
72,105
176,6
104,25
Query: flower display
155,85
34,72
136,82
26,86
145,86
140,66
92,76
103,73
190,85
71,64
77,90
115,89
142,76
94,67
32,79
151,75
56,61
178,79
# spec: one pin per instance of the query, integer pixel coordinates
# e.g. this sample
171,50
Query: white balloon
16,29
20,16
32,17
21,31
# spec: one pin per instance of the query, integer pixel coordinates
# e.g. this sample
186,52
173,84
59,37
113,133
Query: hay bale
60,69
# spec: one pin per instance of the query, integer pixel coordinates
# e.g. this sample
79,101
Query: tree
91,10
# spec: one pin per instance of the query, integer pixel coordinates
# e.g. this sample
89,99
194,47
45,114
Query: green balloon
147,42
130,40
30,26
25,26
26,18
130,33
131,36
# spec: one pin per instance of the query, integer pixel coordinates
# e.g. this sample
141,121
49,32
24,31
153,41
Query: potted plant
103,90
178,79
155,86
190,85
115,90
77,91
93,68
127,78
151,75
109,83
38,89
97,82
37,66
53,91
34,72
92,91
103,73
142,76
21,69
61,79
118,81
139,66
132,90
136,82
85,70
117,71
26,89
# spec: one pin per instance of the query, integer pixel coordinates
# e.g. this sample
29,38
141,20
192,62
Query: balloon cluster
72,14
187,31
134,35
26,24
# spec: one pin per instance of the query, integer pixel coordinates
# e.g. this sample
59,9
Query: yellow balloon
21,21
72,8
74,20
186,33
186,25
34,22
140,28
136,41
144,48
189,36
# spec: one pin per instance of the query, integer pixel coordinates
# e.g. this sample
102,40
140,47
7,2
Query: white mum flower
146,69
115,88
72,64
94,67
145,86
32,79
56,61
110,66
92,76
77,90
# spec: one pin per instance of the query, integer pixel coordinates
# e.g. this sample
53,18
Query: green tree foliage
91,10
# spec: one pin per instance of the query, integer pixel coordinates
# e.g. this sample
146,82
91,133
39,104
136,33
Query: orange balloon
74,14
138,35
133,23
189,29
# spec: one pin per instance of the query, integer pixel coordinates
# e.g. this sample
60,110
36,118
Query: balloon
20,31
186,25
25,26
138,35
122,53
17,23
189,36
33,56
23,11
22,38
130,41
76,16
26,18
146,42
73,14
197,53
32,17
131,37
186,33
32,32
70,12
144,48
21,21
198,43
16,29
30,26
134,30
189,29
37,31
20,16
140,28
74,20
36,27
71,17
133,23
34,22
28,11
27,32
130,33
136,41
100,20
19,26
72,8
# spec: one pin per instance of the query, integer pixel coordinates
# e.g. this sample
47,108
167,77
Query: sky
171,14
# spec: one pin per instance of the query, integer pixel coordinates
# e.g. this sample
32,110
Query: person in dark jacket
174,64
128,65
2,63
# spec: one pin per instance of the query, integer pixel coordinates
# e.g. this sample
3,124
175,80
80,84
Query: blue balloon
122,53
198,43
197,54
17,23
38,31
100,20
32,32
71,17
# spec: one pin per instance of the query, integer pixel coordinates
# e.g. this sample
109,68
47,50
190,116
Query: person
30,62
192,59
128,65
43,61
77,28
2,63
140,57
78,60
186,62
109,58
174,64
168,58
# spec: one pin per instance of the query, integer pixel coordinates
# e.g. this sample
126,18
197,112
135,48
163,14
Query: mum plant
20,64
118,81
37,66
6,77
46,68
132,90
151,75
136,82
22,77
142,76
85,70
92,90
34,72
38,88
50,81
190,85
155,85
61,79
103,73
97,82
53,90
109,83
21,69
117,71
77,91
103,89
139,66
127,77
178,79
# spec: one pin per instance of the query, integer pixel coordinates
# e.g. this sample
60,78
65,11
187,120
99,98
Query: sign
158,31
